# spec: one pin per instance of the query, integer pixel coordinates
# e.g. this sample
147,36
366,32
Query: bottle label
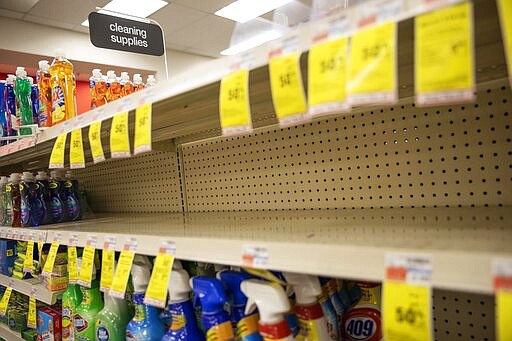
140,313
247,326
362,324
330,317
56,206
72,208
25,212
92,83
67,327
102,333
223,331
178,322
58,104
80,323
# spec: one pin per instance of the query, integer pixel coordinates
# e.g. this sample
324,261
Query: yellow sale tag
444,62
156,293
327,77
28,263
287,90
119,136
143,116
31,318
95,142
5,301
234,108
76,150
372,66
503,313
505,8
85,276
72,265
107,269
50,260
58,151
124,265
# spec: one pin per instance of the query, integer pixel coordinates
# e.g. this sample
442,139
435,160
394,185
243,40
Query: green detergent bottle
85,315
71,298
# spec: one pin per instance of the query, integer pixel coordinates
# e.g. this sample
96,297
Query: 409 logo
362,324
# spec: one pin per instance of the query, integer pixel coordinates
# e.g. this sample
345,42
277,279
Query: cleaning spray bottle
272,303
71,298
15,196
34,100
3,117
126,84
246,326
84,316
146,324
45,94
212,297
137,82
363,321
63,88
10,104
114,87
23,94
183,320
312,323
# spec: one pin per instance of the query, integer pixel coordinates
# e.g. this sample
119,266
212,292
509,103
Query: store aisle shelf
30,286
9,334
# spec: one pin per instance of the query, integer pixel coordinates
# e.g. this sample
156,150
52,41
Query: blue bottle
212,296
245,326
57,206
27,190
34,98
146,324
43,198
10,104
74,211
3,118
183,321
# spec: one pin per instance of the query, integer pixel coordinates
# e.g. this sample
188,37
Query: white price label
254,256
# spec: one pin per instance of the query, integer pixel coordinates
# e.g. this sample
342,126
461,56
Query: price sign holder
504,9
143,119
4,302
107,264
52,254
119,136
32,306
87,267
156,293
76,150
123,268
501,269
95,142
58,151
255,256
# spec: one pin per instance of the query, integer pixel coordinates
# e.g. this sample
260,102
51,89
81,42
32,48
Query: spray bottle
10,104
45,94
23,94
151,81
363,321
3,208
3,117
272,303
183,320
146,324
114,87
15,200
126,84
71,298
246,326
34,99
212,297
137,82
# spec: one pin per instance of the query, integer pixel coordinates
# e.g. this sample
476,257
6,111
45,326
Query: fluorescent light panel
131,8
252,42
245,10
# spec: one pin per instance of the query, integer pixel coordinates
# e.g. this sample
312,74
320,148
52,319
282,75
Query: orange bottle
63,88
126,84
114,87
98,89
45,94
137,82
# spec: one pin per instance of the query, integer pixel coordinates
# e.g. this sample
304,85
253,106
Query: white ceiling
189,25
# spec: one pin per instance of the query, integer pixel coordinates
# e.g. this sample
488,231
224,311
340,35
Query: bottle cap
44,65
269,297
69,174
3,180
59,53
15,177
11,78
96,73
20,72
151,80
27,176
125,76
31,80
177,265
42,175
179,286
137,78
111,75
141,273
307,288
210,292
232,281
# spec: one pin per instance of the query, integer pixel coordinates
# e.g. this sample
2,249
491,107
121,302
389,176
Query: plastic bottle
126,84
333,324
8,207
15,196
71,197
63,88
84,316
45,94
57,205
43,193
151,81
71,299
114,87
34,99
184,325
212,297
3,117
23,92
10,104
27,189
363,321
137,82
98,89
245,326
146,324
330,285
3,208
272,303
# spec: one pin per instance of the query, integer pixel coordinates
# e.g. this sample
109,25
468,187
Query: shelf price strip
31,317
444,64
504,9
254,256
87,267
107,264
124,266
52,254
407,297
502,279
143,119
119,136
58,151
95,142
156,292
234,106
72,260
76,150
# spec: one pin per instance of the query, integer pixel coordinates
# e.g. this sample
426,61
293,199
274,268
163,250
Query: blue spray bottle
246,326
166,315
43,194
10,104
211,295
183,321
146,324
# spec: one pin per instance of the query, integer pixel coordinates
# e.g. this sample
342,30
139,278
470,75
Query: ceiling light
252,42
131,9
245,10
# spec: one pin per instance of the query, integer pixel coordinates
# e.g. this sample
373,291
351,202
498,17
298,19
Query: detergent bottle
15,200
114,87
3,117
58,207
23,92
246,326
126,84
34,99
44,197
363,321
27,190
45,94
72,200
146,324
3,206
10,104
151,81
71,299
137,82
63,88
212,297
272,303
84,316
183,319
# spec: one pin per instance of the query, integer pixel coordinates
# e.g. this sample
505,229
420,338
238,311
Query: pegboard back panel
145,183
395,156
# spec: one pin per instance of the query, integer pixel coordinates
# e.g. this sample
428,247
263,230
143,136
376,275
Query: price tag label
28,263
16,234
122,273
87,267
444,55
31,318
372,70
109,243
254,256
501,269
50,260
58,151
8,234
76,150
407,297
327,77
505,8
4,302
3,233
72,265
95,142
287,91
235,111
143,115
119,136
107,269
156,292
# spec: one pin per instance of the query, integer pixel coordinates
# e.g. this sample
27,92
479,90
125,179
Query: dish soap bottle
15,196
23,91
71,298
63,88
43,192
58,208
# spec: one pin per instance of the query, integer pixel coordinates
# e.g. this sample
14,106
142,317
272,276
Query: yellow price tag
31,318
505,8
143,115
95,142
72,265
4,302
156,292
28,263
287,90
265,274
119,136
85,277
444,63
76,150
234,107
50,260
124,265
58,151
107,269
327,65
503,313
372,65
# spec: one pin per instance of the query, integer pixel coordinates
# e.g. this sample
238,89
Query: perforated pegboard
144,183
395,156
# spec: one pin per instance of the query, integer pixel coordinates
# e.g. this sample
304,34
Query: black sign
125,35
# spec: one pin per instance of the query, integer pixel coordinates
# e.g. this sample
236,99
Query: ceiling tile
208,6
65,10
10,14
48,22
18,5
174,17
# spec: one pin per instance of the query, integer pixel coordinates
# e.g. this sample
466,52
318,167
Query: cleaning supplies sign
502,278
121,34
